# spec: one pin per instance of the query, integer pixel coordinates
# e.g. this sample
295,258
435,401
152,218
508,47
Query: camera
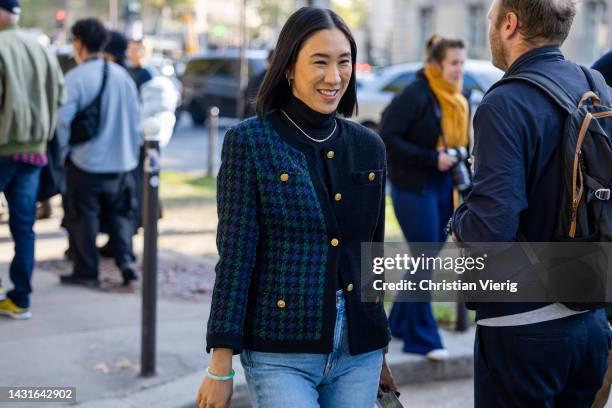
462,175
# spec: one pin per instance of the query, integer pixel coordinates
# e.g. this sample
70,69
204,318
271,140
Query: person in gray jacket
99,171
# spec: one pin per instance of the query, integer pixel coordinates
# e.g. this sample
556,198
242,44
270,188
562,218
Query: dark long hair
275,90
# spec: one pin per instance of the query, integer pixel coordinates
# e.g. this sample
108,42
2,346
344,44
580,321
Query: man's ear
510,26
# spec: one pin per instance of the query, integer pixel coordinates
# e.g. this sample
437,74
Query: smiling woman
319,52
293,181
323,70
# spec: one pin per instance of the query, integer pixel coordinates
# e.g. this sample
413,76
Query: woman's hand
446,161
215,393
387,382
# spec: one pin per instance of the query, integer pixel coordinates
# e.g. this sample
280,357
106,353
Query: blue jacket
517,161
281,248
604,65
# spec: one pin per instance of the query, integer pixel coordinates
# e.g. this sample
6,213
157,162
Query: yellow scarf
454,108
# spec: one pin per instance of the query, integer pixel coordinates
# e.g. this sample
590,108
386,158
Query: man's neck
522,48
86,55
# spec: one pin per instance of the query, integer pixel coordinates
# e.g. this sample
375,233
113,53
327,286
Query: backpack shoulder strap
597,84
547,85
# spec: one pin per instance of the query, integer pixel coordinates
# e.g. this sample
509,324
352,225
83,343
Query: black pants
87,195
138,213
559,363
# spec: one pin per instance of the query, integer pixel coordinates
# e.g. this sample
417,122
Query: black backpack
586,202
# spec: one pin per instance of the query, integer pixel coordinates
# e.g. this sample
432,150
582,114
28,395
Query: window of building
426,27
477,31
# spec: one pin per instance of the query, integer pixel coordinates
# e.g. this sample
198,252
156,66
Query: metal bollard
149,262
462,318
212,140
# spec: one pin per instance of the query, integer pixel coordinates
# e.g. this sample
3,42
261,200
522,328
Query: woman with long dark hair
293,181
424,121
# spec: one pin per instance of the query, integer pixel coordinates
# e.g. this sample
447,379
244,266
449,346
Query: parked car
374,96
212,78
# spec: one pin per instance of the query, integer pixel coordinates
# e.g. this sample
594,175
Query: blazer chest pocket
366,196
368,177
282,189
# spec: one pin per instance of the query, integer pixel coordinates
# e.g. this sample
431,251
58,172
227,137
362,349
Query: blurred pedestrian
424,121
604,65
115,51
249,99
287,292
101,159
31,90
136,54
534,354
116,48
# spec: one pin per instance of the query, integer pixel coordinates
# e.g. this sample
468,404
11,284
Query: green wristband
220,377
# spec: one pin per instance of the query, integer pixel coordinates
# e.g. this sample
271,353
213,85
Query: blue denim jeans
422,217
19,183
303,380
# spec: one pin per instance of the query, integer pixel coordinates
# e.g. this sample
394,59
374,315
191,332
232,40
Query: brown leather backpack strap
600,115
589,96
578,190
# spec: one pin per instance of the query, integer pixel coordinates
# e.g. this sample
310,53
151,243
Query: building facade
400,29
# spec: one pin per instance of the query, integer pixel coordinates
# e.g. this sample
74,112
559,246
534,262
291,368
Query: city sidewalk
91,340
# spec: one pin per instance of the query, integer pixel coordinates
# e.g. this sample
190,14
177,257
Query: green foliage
273,13
170,3
353,12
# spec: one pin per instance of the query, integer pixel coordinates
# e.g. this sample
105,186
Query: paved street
188,148
91,339
438,394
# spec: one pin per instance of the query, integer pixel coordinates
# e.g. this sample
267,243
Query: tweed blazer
281,248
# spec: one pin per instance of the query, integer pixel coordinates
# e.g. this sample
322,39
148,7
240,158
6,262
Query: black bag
586,152
85,125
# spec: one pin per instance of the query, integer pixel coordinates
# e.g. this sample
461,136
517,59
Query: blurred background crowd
198,43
